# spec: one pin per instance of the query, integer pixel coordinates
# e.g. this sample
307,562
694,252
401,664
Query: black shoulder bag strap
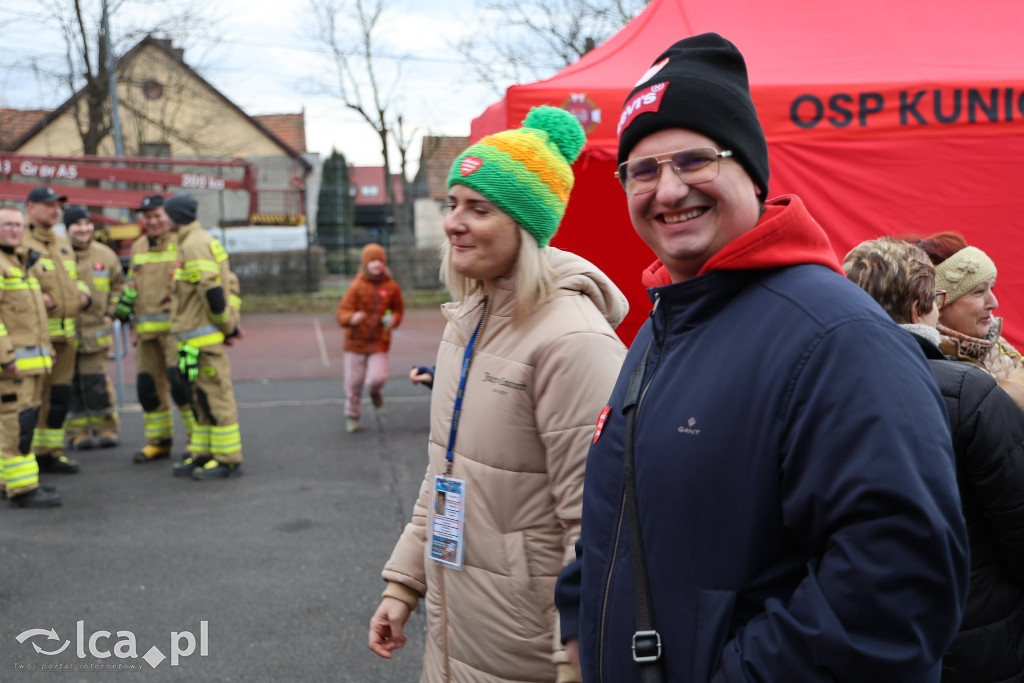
646,639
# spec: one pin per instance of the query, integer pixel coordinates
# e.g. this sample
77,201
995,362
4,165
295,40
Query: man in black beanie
202,323
770,494
146,304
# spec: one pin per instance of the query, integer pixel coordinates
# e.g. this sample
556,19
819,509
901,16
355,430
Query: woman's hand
387,626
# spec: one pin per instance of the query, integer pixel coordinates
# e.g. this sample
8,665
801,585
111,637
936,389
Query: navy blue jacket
796,489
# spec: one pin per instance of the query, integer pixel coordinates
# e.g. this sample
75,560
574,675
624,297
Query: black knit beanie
700,83
181,209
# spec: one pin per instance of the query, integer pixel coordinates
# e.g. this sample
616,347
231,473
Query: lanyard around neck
466,360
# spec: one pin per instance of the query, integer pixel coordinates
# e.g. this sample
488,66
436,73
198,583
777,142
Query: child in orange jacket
370,309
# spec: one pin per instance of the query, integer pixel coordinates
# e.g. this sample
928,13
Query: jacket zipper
618,533
440,570
608,588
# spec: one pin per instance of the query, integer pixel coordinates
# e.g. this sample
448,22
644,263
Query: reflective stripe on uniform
192,271
19,471
218,251
159,425
168,256
200,440
61,328
11,284
33,358
47,438
225,439
207,335
188,419
156,322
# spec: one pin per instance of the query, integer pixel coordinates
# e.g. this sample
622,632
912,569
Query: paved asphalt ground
280,568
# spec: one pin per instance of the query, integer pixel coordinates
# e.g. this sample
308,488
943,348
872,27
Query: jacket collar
786,235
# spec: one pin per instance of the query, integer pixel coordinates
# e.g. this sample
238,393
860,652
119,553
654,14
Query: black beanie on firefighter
699,83
181,209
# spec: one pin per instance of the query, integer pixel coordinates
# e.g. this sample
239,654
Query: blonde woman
525,366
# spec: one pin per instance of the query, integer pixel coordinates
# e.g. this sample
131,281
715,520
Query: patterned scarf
993,353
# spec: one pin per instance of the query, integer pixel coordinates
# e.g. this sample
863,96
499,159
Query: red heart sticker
469,165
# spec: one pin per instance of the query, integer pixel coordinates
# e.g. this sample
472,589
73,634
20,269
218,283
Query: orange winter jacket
372,334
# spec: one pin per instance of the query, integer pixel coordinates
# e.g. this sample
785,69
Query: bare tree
349,30
524,40
88,50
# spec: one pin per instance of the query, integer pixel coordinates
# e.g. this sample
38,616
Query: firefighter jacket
100,270
152,274
24,335
202,266
57,273
234,292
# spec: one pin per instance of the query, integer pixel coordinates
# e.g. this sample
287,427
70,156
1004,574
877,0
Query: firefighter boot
151,452
36,498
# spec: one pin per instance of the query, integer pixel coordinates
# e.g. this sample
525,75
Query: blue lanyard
466,359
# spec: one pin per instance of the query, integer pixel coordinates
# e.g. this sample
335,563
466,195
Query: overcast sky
265,60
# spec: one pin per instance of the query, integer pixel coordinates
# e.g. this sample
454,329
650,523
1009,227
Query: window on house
155,149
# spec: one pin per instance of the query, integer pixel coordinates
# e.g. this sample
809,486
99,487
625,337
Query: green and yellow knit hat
526,171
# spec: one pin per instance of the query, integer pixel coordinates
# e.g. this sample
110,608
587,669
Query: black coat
988,441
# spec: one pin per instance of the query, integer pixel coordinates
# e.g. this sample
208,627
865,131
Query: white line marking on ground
320,342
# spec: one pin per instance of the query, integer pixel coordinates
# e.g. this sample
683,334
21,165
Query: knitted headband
963,271
699,83
526,171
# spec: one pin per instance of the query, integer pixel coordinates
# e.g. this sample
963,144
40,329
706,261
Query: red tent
885,117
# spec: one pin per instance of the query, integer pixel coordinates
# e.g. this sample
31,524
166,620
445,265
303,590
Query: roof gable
436,158
135,59
288,128
15,123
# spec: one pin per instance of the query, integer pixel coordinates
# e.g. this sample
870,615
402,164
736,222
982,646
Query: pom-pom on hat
181,209
526,171
963,271
699,83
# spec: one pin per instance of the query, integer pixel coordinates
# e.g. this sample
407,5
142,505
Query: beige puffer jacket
533,397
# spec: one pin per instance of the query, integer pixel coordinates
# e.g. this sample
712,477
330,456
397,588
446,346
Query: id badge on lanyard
448,513
447,521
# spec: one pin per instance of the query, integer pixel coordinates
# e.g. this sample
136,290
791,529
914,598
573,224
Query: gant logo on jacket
689,427
502,382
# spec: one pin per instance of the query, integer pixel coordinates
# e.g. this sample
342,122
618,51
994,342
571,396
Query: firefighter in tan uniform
24,363
64,296
146,302
92,416
201,320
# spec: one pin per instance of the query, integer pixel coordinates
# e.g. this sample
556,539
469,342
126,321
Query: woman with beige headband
988,441
970,332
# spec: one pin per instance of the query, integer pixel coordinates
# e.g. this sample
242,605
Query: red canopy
886,118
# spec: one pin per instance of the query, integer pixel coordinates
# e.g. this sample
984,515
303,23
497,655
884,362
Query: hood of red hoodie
786,235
